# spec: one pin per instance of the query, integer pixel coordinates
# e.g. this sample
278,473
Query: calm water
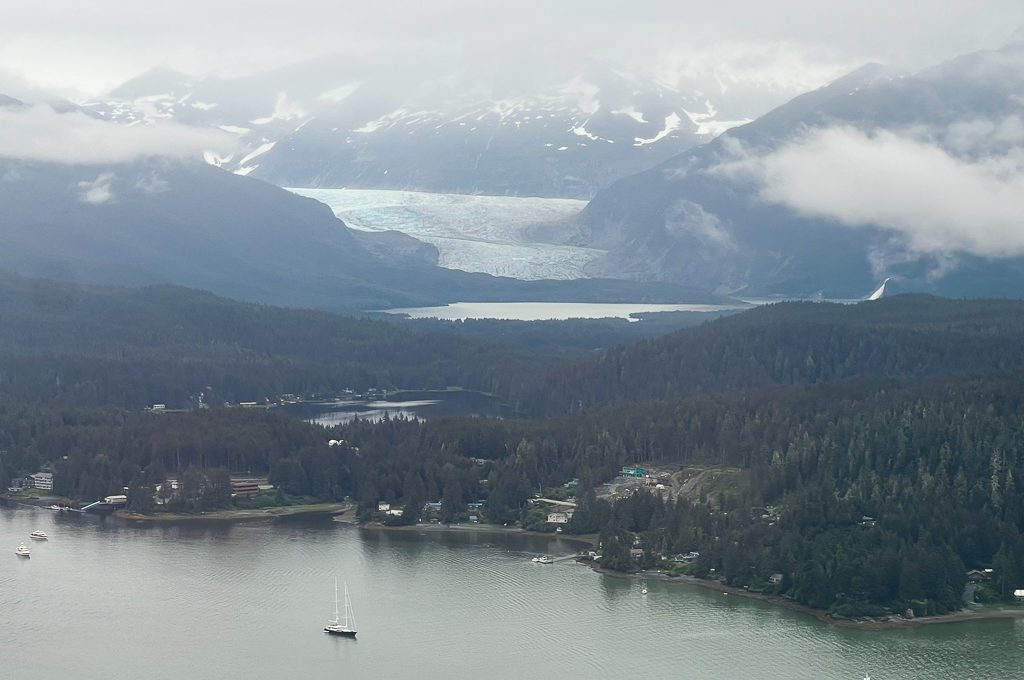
105,599
544,311
420,405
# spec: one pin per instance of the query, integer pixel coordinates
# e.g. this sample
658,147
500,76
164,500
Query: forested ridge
868,454
934,463
790,343
130,348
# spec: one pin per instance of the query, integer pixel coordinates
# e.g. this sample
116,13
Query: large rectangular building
43,480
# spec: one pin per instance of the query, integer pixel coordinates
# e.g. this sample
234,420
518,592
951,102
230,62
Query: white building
558,518
383,506
43,480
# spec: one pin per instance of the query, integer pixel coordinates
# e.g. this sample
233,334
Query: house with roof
42,480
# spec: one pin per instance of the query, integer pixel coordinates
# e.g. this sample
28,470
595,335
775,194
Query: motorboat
543,559
22,551
38,535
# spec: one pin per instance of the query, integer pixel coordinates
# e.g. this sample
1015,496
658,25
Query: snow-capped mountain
324,125
880,174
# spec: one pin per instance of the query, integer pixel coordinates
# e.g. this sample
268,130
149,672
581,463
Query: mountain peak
158,80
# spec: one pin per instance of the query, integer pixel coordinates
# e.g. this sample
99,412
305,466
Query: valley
517,325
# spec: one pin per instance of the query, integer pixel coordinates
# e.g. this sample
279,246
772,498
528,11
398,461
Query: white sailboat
337,626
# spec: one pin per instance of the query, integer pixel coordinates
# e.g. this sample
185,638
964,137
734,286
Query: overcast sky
92,46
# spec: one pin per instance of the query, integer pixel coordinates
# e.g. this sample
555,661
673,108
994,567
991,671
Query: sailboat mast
347,605
335,599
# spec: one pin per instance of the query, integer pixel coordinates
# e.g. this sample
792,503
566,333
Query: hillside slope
791,343
831,193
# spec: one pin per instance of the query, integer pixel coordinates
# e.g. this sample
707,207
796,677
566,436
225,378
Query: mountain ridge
687,221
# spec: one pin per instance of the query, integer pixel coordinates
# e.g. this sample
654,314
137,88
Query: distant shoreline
239,515
891,623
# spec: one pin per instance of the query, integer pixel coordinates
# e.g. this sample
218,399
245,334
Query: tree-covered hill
791,343
825,413
129,348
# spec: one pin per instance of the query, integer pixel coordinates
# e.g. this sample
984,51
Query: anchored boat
345,627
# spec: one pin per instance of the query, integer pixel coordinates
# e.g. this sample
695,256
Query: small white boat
643,588
543,559
336,626
38,535
22,551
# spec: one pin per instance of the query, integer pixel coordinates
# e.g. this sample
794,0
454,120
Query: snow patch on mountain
707,124
387,119
632,113
672,122
235,129
581,131
283,110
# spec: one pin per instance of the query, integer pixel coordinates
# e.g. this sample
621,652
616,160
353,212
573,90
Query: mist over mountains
494,131
154,220
913,177
879,174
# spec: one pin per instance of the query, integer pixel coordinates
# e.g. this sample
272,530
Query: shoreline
894,623
344,513
583,539
238,515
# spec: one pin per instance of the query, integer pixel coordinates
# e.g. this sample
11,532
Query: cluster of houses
390,510
686,558
561,517
637,478
40,480
977,576
241,487
386,508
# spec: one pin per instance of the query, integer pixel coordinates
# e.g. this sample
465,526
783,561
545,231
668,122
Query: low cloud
934,191
152,184
687,218
97,191
38,133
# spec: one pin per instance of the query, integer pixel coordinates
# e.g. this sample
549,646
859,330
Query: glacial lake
104,598
543,311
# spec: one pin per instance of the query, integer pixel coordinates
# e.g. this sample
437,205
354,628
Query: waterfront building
43,480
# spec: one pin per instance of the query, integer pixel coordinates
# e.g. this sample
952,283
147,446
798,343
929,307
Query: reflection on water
216,600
